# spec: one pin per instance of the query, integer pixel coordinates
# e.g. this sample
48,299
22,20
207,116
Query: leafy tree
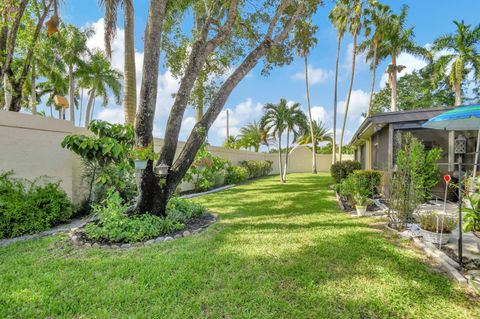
400,39
250,34
415,91
274,122
322,134
462,57
129,71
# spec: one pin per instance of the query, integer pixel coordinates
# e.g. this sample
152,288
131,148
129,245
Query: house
375,146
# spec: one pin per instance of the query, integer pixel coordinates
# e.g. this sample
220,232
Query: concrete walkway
74,223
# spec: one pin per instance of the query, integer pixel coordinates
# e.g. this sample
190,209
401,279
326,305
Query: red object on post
447,178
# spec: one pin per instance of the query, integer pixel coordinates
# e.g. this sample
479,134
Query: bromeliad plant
141,156
471,215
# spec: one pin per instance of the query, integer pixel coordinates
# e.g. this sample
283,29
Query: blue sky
430,18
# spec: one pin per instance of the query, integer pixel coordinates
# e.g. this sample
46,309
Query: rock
114,246
96,245
177,236
87,245
149,242
126,246
105,246
186,233
74,229
137,244
196,231
159,239
75,239
168,238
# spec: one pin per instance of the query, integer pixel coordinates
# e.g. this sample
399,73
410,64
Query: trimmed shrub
257,168
369,180
236,174
27,208
341,170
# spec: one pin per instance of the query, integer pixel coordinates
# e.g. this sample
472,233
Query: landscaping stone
177,236
126,246
87,245
168,238
186,233
96,245
149,242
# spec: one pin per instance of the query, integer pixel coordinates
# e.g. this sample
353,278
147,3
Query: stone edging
447,263
75,238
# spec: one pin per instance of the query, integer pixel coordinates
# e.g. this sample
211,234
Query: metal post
460,191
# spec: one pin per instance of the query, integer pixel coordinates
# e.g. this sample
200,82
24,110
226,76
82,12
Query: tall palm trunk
335,98
130,82
394,83
347,104
280,156
33,92
286,157
71,93
458,94
81,109
314,147
91,98
374,73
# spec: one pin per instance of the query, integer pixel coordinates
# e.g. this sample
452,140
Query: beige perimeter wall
30,146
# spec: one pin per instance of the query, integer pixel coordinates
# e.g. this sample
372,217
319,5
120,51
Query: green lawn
278,251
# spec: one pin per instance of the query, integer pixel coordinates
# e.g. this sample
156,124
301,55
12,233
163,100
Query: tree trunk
458,94
88,111
33,92
394,83
286,157
280,165
7,89
352,76
148,184
312,133
71,93
81,110
335,98
129,72
372,88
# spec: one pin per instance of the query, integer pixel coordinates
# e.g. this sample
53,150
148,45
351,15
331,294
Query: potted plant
361,203
471,217
436,228
141,156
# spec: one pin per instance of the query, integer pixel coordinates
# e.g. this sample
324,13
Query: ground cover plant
28,207
278,251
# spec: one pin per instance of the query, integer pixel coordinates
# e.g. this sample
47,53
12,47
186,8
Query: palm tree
354,26
304,43
462,58
99,77
338,17
274,122
73,44
400,39
380,16
251,135
129,84
321,134
296,122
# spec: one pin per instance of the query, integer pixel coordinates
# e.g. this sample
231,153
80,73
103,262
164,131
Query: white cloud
315,75
240,115
113,115
358,104
319,113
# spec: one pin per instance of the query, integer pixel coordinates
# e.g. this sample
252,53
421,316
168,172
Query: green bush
115,226
206,171
429,221
26,207
360,186
341,170
257,168
235,175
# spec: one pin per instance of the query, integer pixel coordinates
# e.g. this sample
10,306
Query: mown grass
279,251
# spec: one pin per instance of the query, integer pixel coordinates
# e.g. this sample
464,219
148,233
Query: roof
371,123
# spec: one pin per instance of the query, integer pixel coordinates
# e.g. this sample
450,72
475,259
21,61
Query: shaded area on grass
279,251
